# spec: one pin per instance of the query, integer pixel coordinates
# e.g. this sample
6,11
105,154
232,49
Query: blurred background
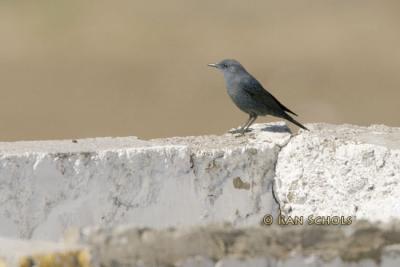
74,69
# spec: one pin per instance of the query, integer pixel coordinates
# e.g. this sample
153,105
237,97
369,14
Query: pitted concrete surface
47,187
187,183
341,170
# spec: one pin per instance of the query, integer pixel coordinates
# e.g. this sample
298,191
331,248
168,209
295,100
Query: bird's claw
235,131
241,131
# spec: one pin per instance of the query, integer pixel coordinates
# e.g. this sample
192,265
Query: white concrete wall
49,186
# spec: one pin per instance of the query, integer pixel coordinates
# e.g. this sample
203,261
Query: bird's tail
287,117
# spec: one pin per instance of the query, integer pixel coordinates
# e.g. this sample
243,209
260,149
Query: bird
250,96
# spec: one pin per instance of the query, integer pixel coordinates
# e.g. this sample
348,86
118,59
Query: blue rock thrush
250,96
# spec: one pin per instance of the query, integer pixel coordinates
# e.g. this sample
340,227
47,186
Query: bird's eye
224,66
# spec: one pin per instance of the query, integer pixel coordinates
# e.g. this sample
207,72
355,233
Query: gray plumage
250,96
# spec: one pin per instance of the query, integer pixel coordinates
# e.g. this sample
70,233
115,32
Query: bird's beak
213,65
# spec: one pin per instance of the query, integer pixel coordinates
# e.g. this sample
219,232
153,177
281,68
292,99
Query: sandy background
71,69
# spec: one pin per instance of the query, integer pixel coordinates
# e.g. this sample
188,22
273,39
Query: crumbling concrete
49,186
187,183
341,170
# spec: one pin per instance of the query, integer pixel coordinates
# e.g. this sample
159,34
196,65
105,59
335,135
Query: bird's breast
241,99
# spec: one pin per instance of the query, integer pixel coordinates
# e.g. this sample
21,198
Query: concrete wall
346,171
49,186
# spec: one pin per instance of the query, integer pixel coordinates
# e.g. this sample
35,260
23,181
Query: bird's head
228,66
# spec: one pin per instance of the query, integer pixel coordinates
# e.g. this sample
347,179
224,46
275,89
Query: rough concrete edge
351,244
280,148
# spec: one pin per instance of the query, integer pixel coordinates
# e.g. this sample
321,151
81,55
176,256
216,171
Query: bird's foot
239,135
233,131
239,130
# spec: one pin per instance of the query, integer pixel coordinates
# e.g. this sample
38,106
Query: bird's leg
253,119
246,126
240,129
247,122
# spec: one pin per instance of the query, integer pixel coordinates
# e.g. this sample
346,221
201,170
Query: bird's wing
280,104
256,90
